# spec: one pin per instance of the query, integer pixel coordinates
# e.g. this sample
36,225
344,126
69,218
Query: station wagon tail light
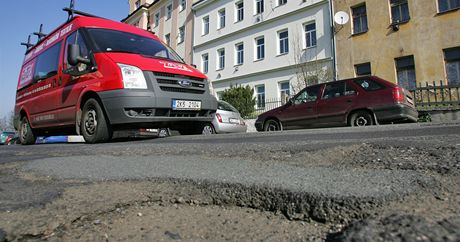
398,94
219,118
133,78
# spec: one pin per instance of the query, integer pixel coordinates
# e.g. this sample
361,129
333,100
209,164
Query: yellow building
409,42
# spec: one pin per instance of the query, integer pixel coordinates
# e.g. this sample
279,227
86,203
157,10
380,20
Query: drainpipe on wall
334,51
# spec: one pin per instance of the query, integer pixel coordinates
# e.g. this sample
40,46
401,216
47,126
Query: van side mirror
73,55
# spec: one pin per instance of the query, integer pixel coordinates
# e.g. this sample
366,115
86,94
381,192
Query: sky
19,19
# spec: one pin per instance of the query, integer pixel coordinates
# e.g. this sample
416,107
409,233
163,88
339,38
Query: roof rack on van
28,45
40,34
72,12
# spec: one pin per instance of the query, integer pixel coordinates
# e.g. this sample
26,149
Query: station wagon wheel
208,129
26,134
94,126
361,118
272,125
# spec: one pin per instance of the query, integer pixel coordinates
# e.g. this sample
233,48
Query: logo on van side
176,66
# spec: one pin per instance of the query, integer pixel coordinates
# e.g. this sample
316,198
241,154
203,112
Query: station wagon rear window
116,41
369,85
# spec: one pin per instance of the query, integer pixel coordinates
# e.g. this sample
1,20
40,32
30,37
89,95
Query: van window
47,63
115,41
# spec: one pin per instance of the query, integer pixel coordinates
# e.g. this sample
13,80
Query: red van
358,101
92,76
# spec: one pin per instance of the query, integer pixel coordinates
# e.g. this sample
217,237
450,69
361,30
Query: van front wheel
94,126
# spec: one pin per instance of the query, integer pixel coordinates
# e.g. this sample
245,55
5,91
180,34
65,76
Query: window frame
362,17
259,7
281,2
156,20
182,5
452,61
260,104
221,59
169,10
239,54
449,7
168,39
221,16
205,63
205,25
400,7
308,35
283,43
405,69
239,11
259,47
361,65
181,34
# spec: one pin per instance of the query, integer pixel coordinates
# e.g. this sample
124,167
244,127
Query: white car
226,120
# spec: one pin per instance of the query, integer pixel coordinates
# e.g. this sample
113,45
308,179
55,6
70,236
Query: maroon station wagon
355,102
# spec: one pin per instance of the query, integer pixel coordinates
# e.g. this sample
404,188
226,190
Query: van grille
179,83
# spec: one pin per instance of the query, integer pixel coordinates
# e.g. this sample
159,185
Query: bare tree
308,71
7,122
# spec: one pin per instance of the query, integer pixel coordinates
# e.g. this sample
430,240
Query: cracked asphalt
339,184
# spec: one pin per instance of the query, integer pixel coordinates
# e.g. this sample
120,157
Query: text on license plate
186,105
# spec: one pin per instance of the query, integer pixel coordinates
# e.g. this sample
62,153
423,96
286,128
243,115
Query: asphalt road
332,175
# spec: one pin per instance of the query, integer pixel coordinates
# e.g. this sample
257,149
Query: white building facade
261,43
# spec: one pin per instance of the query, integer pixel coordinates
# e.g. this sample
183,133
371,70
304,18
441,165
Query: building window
221,18
260,92
239,11
405,69
363,69
446,5
260,48
359,19
168,39
284,91
259,6
221,59
168,11
205,63
310,35
399,11
239,48
137,4
281,2
284,42
182,5
181,36
452,59
157,19
206,25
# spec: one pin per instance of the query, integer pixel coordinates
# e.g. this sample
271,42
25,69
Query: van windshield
116,41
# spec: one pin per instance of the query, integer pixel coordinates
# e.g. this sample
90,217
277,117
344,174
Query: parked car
6,135
227,119
358,101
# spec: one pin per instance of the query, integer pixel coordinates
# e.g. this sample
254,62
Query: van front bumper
142,108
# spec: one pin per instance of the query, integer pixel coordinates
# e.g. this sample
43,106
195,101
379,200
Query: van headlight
133,78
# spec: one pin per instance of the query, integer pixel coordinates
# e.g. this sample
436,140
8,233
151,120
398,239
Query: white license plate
186,105
234,121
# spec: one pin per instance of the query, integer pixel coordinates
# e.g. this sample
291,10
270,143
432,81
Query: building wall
424,36
274,68
168,26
